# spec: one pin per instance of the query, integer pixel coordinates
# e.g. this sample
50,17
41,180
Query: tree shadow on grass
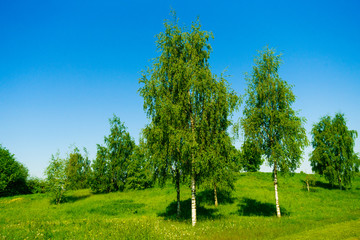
327,186
72,199
252,207
202,213
207,196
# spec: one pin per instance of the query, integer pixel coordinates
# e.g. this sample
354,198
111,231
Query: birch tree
218,165
268,119
179,92
165,92
333,155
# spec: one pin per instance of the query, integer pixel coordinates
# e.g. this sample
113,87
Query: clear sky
67,66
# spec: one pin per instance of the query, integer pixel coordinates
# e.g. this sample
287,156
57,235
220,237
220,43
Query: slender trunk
178,211
307,185
193,183
278,213
215,195
193,199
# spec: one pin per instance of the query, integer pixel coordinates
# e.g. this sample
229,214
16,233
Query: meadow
247,213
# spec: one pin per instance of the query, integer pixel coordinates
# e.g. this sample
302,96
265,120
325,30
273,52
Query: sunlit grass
248,213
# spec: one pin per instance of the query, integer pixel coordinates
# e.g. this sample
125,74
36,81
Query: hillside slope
248,213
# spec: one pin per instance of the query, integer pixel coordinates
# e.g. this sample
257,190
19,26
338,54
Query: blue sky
67,66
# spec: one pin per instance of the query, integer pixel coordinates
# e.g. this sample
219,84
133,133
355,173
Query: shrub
12,174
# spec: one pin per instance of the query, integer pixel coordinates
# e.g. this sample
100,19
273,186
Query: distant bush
12,174
56,177
37,185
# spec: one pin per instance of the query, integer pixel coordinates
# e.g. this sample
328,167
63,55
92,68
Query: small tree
78,169
110,168
333,155
13,174
56,177
140,173
120,146
100,178
310,181
268,119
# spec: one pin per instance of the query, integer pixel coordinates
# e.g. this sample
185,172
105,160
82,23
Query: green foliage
189,109
78,169
56,177
250,157
13,174
37,185
100,180
120,147
165,93
269,122
309,181
116,161
139,173
333,155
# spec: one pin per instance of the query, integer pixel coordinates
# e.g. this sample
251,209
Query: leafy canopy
333,155
268,118
56,177
13,174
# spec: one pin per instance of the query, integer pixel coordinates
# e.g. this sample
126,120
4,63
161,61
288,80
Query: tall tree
165,92
268,119
333,155
179,94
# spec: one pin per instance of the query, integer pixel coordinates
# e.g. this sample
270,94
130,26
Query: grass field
248,213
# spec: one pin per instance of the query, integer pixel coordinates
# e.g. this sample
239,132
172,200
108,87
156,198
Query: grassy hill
248,213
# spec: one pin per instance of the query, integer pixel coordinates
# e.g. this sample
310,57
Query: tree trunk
215,195
178,211
193,183
307,185
278,213
193,199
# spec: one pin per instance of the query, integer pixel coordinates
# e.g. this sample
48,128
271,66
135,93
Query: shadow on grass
202,213
252,207
327,186
207,196
71,199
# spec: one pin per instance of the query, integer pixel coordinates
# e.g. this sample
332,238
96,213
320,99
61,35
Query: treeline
187,139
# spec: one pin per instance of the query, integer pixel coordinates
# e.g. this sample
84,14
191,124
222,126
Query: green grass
248,213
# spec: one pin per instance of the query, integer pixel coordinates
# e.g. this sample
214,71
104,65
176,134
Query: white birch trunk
215,195
193,199
178,211
278,213
307,185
